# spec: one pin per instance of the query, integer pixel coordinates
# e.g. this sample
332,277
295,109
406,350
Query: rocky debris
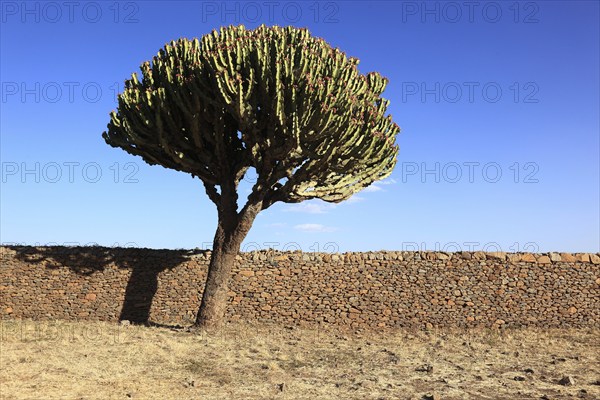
566,381
391,356
425,368
189,383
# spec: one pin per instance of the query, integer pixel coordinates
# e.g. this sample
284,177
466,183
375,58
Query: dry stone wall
357,290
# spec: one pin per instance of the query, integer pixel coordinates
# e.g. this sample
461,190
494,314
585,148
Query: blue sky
498,105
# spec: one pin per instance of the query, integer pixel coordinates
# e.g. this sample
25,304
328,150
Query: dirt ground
96,360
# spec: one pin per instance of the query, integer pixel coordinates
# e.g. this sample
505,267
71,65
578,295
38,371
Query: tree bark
231,231
214,298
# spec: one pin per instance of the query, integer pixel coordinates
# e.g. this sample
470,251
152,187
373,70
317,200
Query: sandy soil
95,360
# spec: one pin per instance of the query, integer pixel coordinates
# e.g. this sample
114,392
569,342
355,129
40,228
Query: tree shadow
145,266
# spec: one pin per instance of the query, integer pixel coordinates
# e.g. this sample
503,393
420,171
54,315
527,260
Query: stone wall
359,290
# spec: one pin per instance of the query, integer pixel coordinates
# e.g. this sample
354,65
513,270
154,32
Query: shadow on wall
143,281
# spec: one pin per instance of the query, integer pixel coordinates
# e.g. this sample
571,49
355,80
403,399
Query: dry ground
93,360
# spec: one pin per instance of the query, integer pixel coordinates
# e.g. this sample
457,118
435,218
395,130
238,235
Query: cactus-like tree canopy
273,98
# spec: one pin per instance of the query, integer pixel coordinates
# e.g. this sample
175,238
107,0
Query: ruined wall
368,290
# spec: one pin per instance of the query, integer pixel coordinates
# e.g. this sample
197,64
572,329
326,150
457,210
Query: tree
275,99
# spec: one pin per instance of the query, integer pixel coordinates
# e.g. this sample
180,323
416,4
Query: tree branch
212,193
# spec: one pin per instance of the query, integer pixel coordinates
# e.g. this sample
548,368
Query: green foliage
273,98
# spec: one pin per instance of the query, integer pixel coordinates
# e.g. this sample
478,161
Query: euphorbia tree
275,99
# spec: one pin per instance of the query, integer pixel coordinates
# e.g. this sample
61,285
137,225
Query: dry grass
92,360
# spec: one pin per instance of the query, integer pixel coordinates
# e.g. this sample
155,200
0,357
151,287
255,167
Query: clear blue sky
498,104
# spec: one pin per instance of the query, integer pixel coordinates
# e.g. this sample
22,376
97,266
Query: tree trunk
231,231
214,298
